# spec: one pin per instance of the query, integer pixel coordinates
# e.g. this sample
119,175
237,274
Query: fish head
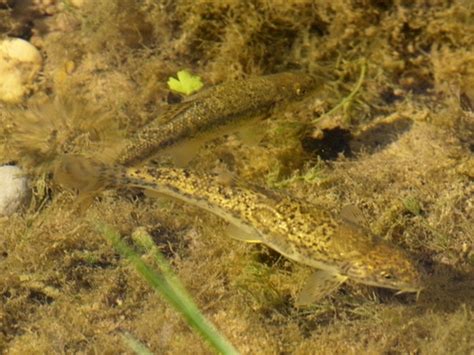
295,84
303,85
385,265
373,261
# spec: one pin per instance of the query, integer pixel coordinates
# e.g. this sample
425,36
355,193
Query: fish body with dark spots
222,104
338,246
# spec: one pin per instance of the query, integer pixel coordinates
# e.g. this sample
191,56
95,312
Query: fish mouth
411,290
399,287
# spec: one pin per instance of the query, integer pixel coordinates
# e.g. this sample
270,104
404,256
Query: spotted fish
338,246
223,104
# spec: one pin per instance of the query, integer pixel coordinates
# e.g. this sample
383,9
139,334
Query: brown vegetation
401,150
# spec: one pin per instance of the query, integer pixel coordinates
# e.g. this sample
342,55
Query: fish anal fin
319,285
251,132
238,233
187,149
181,154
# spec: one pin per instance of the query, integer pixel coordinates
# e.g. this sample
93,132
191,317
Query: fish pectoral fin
84,201
352,214
235,232
319,285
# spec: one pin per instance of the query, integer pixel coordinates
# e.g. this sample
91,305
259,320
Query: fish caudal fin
86,175
319,285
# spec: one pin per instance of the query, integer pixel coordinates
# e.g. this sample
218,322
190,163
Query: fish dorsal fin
238,233
319,285
170,112
224,176
353,217
201,94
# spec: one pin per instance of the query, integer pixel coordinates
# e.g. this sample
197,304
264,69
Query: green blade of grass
346,101
171,289
135,345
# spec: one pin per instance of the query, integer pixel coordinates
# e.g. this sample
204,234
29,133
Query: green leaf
186,83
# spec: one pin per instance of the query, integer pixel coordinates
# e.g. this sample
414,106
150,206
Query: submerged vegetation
168,286
393,136
186,83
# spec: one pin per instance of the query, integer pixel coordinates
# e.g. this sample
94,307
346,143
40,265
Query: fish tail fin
85,174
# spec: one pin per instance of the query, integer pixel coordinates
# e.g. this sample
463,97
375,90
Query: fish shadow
447,290
379,136
338,140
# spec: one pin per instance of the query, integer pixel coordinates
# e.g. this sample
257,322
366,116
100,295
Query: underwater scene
236,177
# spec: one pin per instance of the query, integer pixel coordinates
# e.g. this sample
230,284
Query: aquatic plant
186,83
168,285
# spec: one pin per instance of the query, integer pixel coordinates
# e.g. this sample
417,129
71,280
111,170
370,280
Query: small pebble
20,62
13,189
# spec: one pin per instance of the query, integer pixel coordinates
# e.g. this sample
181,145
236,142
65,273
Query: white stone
20,62
13,189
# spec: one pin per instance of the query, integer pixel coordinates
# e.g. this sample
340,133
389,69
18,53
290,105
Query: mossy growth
400,151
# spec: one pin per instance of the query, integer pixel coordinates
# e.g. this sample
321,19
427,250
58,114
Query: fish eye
386,275
299,90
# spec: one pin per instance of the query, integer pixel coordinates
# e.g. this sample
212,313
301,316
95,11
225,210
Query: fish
223,104
339,247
